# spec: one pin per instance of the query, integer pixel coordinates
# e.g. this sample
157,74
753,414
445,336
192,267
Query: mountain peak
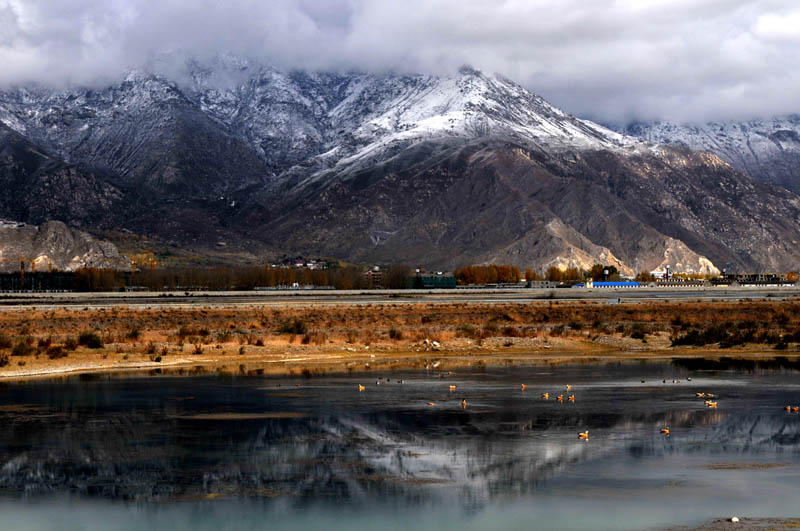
436,170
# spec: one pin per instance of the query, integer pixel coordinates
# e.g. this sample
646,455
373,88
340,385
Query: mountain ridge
436,171
766,149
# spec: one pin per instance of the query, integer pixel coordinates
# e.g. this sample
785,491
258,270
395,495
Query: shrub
465,330
150,349
3,359
638,331
71,343
133,334
55,352
44,342
198,349
395,334
22,349
90,340
5,342
295,327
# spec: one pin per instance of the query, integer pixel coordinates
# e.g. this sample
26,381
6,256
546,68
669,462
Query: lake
209,452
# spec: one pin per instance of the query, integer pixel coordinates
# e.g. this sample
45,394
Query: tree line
237,278
494,274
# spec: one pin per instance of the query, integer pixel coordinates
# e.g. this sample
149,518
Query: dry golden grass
313,340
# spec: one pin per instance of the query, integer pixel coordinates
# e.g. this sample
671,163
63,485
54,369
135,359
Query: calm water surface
208,452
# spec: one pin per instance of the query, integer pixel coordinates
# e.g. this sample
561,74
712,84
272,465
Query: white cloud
609,59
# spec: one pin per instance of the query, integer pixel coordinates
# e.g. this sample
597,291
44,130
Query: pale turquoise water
133,453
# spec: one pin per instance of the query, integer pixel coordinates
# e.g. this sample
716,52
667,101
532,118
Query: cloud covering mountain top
605,59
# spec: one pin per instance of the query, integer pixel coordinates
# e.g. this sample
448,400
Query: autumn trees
487,274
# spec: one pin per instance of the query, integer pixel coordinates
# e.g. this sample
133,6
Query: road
335,297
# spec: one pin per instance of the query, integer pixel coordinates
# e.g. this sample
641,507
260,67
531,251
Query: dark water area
210,452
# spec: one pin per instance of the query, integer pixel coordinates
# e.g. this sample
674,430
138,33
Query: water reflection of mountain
733,435
155,454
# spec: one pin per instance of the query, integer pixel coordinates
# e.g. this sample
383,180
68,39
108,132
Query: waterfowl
361,388
665,431
431,403
464,403
569,387
709,395
560,398
572,398
583,434
712,404
701,395
546,396
452,387
788,408
795,409
523,386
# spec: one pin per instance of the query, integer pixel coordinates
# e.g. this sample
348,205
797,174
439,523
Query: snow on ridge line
311,114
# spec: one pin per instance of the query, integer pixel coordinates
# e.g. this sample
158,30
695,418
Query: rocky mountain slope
53,245
435,171
768,150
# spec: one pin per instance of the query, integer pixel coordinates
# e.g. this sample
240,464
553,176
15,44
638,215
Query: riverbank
313,340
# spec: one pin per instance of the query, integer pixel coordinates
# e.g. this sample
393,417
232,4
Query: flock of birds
571,398
545,396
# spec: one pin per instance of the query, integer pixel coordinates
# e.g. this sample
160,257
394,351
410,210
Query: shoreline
312,340
322,364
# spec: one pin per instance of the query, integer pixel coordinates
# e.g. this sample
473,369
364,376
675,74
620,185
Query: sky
609,60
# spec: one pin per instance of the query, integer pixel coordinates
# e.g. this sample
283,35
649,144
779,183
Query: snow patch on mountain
766,149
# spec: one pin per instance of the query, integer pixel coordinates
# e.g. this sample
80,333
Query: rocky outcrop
53,245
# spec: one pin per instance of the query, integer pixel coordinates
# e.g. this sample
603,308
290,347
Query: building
754,279
613,284
431,280
375,277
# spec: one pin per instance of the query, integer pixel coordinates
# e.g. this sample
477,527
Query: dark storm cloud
612,60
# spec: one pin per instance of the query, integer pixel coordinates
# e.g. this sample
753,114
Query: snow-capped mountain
431,170
287,118
768,150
